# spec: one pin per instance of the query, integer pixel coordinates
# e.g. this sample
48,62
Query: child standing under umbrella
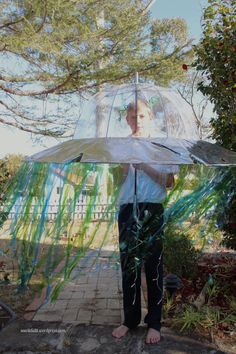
138,242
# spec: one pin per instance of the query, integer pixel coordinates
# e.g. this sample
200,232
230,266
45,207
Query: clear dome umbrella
102,134
104,115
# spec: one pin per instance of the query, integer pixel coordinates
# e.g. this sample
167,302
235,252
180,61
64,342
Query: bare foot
153,336
120,331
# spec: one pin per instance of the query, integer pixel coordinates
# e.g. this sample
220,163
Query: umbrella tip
136,77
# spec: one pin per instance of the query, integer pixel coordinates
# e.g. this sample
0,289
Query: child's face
139,123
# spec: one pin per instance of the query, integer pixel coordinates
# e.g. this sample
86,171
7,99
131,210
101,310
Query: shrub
180,256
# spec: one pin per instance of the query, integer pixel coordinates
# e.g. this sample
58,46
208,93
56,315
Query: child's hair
132,106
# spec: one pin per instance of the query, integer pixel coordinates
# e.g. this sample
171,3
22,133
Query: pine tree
60,50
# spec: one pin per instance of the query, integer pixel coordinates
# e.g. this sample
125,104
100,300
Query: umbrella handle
135,204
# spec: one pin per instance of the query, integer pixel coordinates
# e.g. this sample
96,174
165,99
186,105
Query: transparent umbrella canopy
104,115
102,134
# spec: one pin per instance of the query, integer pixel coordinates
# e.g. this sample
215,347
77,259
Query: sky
189,10
15,141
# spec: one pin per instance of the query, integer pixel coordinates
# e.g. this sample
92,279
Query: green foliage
166,38
216,58
208,317
8,168
168,306
189,319
180,255
212,292
233,305
229,224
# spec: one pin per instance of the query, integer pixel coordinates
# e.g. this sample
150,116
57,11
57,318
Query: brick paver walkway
92,296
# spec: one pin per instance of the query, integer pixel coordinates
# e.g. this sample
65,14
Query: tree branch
23,79
8,24
36,93
148,6
22,116
191,105
37,132
44,17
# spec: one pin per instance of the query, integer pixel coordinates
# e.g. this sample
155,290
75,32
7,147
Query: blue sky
15,141
190,10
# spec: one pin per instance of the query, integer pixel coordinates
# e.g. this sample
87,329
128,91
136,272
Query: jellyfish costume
90,165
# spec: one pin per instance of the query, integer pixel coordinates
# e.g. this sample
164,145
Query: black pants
141,244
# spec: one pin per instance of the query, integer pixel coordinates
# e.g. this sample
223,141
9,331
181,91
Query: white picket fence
100,210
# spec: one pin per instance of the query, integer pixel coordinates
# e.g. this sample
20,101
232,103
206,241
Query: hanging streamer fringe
35,238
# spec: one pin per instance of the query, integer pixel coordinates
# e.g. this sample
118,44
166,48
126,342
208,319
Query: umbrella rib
198,159
164,110
76,159
167,148
108,124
